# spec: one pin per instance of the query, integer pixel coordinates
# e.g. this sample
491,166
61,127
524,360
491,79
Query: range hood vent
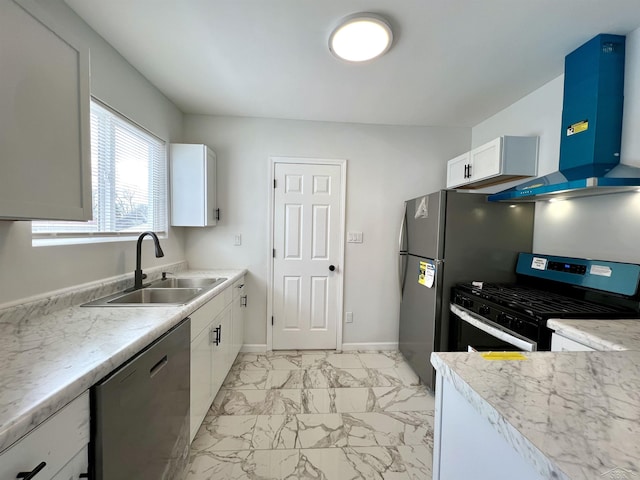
591,129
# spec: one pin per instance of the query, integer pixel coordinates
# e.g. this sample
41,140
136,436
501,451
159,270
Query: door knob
332,267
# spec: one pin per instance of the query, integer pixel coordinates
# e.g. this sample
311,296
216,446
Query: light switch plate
237,239
349,317
354,237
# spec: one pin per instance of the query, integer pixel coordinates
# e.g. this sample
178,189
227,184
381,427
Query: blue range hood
591,129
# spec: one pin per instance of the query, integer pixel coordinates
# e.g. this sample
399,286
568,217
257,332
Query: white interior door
307,244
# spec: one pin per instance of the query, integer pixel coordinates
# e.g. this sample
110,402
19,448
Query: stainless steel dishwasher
140,413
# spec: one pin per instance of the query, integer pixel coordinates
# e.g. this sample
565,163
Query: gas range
548,287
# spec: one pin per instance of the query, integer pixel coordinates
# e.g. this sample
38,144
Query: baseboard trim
370,346
254,348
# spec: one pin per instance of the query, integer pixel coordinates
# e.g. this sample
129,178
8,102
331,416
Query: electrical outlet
237,239
349,318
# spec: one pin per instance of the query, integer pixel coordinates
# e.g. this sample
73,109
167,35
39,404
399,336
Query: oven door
477,334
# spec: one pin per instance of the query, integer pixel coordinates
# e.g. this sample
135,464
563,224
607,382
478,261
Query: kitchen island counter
50,356
568,415
623,334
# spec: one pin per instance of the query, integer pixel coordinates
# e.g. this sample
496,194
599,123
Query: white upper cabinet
193,186
45,154
501,160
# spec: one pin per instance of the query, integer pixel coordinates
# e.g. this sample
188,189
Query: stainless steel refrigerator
449,237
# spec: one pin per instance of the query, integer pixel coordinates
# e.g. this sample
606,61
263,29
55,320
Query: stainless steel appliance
449,237
140,413
503,317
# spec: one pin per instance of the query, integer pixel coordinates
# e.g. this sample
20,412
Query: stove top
543,304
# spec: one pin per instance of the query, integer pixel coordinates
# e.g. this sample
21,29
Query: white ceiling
453,62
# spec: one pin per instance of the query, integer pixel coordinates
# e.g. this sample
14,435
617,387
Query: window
128,172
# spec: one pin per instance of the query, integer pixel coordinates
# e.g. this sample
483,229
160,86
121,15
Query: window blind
129,180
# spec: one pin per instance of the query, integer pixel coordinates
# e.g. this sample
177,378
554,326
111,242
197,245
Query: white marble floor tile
376,360
206,465
388,428
257,402
275,432
353,378
320,430
354,400
404,399
376,463
255,379
318,400
344,360
313,359
285,379
418,460
228,432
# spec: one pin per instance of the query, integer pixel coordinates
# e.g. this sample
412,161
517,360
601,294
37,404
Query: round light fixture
361,37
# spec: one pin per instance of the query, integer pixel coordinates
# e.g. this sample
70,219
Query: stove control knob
503,320
467,303
484,310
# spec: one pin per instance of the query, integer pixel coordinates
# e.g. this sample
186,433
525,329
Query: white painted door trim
342,163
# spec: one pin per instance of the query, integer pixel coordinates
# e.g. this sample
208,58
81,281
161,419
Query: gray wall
385,166
27,270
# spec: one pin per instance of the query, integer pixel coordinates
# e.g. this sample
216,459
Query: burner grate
540,302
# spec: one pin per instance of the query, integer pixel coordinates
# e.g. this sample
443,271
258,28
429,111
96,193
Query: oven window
470,338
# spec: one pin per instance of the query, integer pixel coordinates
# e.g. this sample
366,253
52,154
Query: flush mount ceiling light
361,37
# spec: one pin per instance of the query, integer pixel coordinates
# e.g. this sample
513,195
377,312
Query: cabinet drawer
238,288
56,442
206,313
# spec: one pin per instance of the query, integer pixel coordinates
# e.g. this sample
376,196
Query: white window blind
129,181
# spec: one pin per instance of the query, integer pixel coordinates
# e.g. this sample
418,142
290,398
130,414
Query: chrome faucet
139,276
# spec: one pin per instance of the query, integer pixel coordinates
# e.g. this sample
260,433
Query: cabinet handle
217,214
84,475
469,170
466,171
218,331
243,301
240,286
32,473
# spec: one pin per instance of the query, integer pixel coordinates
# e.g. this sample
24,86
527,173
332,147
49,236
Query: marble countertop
603,335
573,415
48,357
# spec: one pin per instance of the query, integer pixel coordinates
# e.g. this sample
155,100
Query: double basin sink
162,292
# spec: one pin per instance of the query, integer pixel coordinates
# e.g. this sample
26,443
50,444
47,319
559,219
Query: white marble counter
572,415
600,334
50,357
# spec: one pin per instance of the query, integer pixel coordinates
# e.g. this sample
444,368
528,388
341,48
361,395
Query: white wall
604,227
27,270
386,165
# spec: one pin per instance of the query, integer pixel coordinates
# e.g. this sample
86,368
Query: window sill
56,241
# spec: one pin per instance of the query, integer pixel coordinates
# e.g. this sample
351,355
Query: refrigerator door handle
402,270
402,238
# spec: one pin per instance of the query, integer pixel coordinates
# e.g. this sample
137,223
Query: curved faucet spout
138,275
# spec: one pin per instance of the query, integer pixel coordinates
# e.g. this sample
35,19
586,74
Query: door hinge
274,253
274,183
271,321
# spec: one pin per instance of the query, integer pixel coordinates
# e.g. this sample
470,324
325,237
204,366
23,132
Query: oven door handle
494,329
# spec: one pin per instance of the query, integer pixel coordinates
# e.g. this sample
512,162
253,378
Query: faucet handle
164,275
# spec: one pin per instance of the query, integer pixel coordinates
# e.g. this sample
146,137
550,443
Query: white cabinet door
201,378
237,317
457,169
55,442
564,344
44,118
222,348
193,186
486,160
77,466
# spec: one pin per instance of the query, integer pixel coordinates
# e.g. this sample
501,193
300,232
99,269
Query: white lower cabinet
60,443
564,344
239,306
461,430
213,351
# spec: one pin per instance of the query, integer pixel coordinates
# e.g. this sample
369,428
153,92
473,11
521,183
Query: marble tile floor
317,415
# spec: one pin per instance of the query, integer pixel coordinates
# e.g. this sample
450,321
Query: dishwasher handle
153,371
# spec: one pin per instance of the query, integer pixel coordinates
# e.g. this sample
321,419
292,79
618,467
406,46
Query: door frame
342,163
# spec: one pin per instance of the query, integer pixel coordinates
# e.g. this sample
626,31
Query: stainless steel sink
163,292
184,282
158,295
